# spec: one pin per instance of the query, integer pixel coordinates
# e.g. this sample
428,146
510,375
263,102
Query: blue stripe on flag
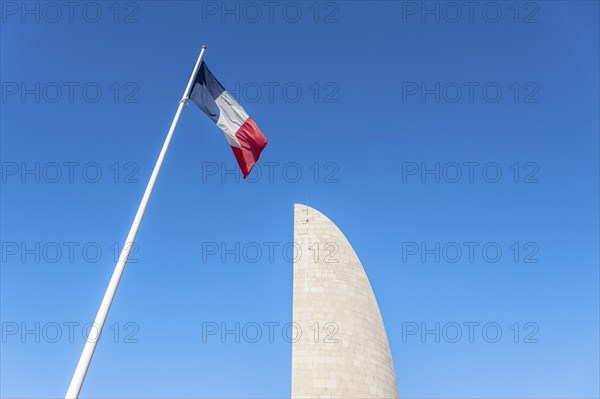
205,90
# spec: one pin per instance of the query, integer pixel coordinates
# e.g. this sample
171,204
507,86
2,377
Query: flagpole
94,334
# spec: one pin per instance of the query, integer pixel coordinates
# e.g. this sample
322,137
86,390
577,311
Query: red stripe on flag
253,142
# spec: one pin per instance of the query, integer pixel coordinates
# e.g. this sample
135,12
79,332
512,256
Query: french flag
244,137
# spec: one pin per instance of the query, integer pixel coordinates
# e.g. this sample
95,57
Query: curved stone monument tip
339,343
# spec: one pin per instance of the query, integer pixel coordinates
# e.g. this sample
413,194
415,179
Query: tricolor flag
244,137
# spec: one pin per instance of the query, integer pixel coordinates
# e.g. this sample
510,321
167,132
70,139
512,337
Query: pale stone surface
340,347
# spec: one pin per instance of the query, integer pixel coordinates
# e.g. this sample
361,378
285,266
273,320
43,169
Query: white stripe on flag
231,117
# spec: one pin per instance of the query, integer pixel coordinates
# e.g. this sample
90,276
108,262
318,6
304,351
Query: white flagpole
94,335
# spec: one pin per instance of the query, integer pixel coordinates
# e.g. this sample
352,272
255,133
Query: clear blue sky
344,89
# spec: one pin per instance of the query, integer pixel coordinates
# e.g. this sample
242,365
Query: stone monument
341,350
